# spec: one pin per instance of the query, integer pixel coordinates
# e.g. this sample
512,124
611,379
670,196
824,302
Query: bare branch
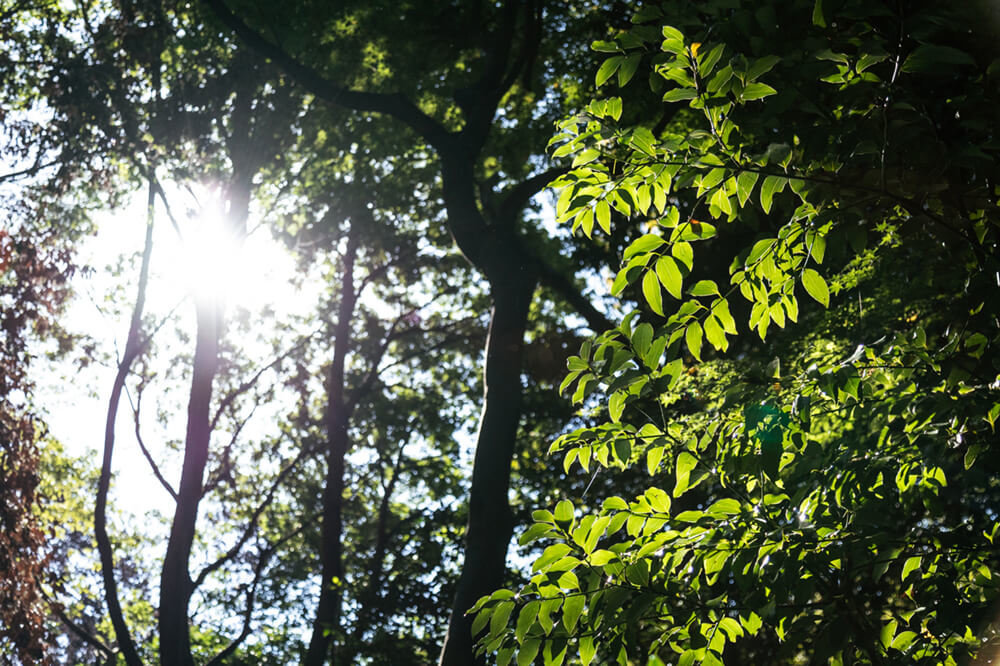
252,523
145,451
27,171
84,635
262,561
250,383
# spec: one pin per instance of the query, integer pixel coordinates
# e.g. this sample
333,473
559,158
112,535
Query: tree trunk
326,629
490,520
133,347
175,579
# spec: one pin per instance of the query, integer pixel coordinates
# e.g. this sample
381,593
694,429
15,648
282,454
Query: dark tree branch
563,286
145,451
516,197
133,347
84,635
262,561
390,104
230,397
217,476
28,171
252,524
326,623
365,385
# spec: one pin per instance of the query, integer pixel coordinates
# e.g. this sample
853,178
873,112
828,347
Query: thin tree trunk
376,566
133,346
175,579
326,629
176,585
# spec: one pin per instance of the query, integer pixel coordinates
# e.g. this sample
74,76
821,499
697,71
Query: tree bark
175,579
176,586
326,627
490,519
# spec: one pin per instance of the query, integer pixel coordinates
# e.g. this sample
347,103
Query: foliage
821,492
33,277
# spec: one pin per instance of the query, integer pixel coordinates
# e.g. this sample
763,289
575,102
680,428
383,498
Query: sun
217,261
211,263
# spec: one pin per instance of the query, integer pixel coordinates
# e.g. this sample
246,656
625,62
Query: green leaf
816,286
627,70
642,337
653,457
501,613
817,16
529,649
704,288
711,179
615,107
752,623
720,308
602,212
772,185
744,185
715,334
658,499
707,62
572,609
685,463
903,640
911,564
643,244
587,650
756,91
525,619
643,141
761,66
679,94
651,291
684,253
482,617
564,513
721,201
605,47
651,359
669,275
616,405
607,69
670,32
692,336
724,507
931,57
731,627
696,230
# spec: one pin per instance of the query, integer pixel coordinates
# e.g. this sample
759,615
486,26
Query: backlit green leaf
693,336
607,69
669,275
815,285
651,291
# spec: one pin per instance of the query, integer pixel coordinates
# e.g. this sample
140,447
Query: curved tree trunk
490,520
133,347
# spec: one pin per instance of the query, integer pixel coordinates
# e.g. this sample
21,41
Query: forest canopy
509,332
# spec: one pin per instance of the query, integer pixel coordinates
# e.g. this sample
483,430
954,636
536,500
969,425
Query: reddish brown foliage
33,276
